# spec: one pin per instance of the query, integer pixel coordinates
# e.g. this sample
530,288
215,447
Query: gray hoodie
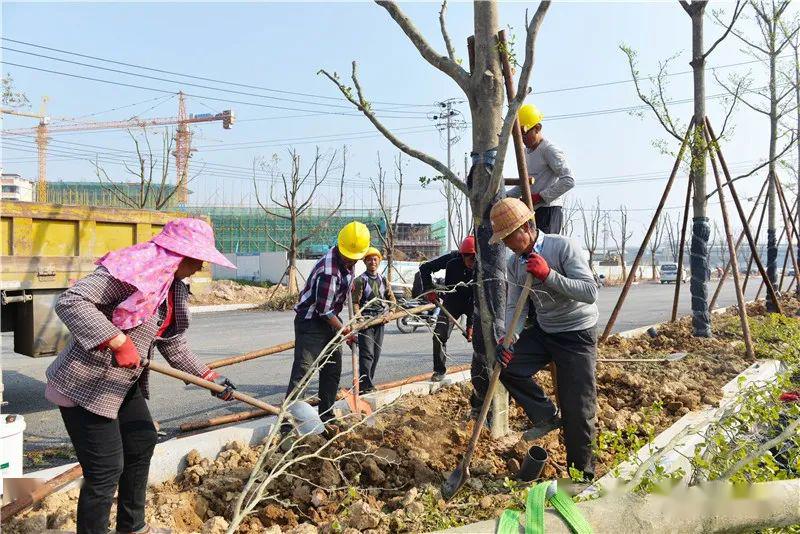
552,177
565,300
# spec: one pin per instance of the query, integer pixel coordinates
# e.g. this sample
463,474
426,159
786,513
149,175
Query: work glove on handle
536,198
468,334
126,355
504,355
432,297
537,266
218,379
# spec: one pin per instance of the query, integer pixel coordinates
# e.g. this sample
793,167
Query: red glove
469,334
790,396
126,355
504,355
432,297
537,266
535,198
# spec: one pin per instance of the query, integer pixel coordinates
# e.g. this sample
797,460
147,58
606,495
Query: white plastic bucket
12,428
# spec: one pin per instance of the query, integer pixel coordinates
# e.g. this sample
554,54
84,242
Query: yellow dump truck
47,247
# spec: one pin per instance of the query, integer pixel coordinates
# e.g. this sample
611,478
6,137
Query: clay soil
393,485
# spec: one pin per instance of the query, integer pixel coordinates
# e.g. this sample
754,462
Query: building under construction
249,230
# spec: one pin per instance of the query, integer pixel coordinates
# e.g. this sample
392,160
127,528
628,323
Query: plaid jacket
325,292
87,375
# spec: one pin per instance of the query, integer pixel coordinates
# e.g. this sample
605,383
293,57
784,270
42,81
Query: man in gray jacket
564,295
547,164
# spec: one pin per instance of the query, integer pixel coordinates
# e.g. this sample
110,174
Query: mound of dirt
232,292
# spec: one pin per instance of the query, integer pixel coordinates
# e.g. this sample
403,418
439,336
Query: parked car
669,273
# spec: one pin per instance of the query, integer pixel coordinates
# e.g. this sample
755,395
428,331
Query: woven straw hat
506,216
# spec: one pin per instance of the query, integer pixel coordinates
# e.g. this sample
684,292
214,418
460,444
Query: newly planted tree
295,201
492,123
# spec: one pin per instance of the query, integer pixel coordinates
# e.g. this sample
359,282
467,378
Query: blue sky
282,46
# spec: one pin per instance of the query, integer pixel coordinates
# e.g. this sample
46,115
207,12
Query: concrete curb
211,308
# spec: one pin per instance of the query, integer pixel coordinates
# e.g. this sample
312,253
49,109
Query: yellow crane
183,137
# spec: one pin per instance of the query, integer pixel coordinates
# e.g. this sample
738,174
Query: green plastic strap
534,513
534,509
573,517
509,522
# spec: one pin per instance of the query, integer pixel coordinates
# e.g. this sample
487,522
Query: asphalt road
217,335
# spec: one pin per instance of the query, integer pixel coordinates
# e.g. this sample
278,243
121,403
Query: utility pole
449,122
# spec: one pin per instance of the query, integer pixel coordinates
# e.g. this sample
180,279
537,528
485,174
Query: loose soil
232,292
392,485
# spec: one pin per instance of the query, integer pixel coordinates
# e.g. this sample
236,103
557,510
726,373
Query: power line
226,82
190,84
226,100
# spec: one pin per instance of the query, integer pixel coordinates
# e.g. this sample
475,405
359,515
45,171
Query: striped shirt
325,292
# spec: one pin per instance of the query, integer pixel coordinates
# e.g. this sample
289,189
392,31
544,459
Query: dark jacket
458,301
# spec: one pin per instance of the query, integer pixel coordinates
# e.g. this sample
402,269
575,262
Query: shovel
460,476
356,404
450,316
306,418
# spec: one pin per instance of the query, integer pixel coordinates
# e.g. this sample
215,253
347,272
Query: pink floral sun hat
193,238
150,266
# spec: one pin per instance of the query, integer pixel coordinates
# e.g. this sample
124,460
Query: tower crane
183,137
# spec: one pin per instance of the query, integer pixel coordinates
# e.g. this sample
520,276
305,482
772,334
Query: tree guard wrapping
700,274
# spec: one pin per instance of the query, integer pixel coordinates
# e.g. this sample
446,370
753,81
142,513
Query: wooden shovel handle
54,484
487,400
449,315
211,386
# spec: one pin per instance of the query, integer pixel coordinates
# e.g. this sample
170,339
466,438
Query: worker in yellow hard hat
564,295
548,166
317,313
372,296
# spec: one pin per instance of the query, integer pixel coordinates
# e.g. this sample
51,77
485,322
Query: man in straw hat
564,295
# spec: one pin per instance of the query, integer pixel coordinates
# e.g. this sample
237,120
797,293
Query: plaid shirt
86,374
325,292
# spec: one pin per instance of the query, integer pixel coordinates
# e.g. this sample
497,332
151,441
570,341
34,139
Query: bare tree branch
360,102
737,10
445,64
451,53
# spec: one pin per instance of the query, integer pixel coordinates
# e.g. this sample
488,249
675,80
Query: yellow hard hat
353,240
506,216
529,116
372,251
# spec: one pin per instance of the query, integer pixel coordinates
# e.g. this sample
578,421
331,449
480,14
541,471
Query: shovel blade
455,481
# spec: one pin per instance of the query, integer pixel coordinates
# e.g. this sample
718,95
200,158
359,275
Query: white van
669,273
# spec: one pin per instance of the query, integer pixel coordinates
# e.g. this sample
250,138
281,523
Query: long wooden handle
211,386
54,484
487,400
450,316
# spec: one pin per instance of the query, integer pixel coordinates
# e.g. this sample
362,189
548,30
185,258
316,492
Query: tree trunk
701,229
292,257
486,106
797,170
772,244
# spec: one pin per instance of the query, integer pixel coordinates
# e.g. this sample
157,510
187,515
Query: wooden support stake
788,223
743,319
758,236
516,131
770,289
727,270
659,209
681,250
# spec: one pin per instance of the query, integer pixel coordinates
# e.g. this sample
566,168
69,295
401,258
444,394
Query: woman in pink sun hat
134,302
